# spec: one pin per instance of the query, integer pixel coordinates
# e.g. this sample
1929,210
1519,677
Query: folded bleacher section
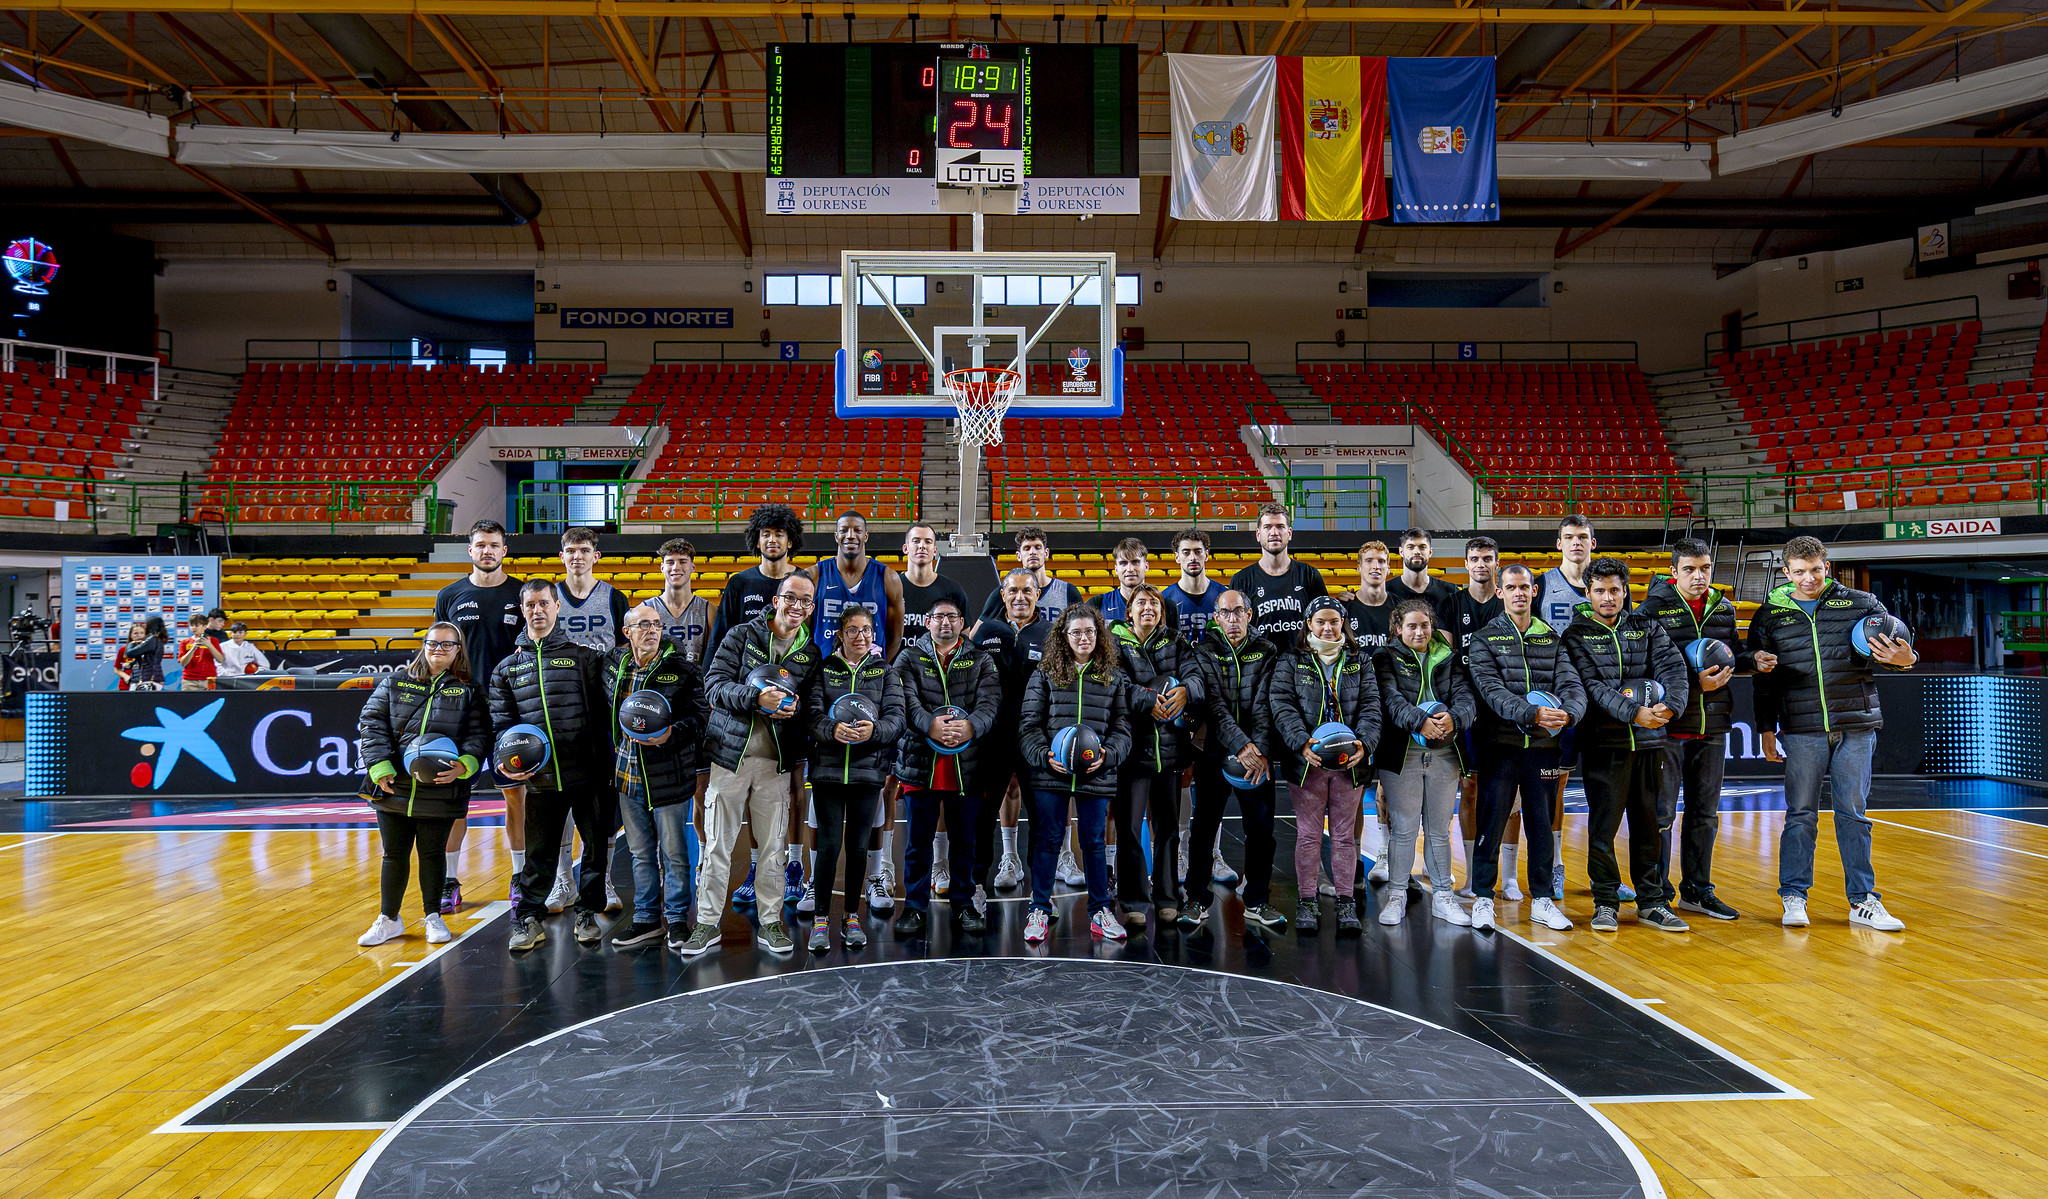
1174,456
61,431
298,429
743,434
1885,420
1543,439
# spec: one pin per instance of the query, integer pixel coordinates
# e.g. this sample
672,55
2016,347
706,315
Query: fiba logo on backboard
1078,382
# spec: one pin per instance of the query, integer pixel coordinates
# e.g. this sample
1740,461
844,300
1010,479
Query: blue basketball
1429,707
1647,693
1337,745
1883,624
770,677
1237,776
853,708
1180,721
521,749
1076,748
428,757
644,715
1539,699
1708,653
955,713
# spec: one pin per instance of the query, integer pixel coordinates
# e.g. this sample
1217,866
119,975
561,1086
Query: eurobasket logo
1327,119
871,360
171,738
1218,138
31,263
1078,359
1443,139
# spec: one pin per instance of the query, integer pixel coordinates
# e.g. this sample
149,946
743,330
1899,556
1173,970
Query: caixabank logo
176,745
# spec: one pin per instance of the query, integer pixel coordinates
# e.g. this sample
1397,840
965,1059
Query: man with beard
1277,587
485,606
1194,595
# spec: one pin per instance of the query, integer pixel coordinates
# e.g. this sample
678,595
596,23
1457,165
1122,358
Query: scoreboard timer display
904,111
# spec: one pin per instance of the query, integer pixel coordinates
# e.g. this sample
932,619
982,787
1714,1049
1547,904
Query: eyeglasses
949,617
644,624
442,644
796,602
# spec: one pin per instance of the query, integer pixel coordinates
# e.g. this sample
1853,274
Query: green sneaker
703,938
775,938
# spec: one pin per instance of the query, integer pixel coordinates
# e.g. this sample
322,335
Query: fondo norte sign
646,318
193,744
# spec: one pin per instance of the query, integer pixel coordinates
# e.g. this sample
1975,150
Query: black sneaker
637,934
1306,918
970,921
526,934
1265,914
587,930
1707,904
1662,918
679,936
1347,915
910,924
1195,915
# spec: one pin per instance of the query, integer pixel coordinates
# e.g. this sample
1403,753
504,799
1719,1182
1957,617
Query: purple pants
1331,795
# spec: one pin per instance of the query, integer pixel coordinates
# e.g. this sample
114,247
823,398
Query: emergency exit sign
1915,530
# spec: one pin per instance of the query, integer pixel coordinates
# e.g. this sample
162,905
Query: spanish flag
1333,122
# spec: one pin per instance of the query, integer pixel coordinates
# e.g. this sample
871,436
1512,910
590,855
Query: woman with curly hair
1078,683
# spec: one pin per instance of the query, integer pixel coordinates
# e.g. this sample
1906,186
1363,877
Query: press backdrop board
103,595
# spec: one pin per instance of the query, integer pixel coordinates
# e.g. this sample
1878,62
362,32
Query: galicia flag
1441,118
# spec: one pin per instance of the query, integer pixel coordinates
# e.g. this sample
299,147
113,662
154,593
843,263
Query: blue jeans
1049,832
1844,760
669,832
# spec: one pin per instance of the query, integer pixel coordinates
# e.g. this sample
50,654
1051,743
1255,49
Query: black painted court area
1001,1078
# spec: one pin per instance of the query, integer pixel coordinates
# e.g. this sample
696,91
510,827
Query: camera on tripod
25,626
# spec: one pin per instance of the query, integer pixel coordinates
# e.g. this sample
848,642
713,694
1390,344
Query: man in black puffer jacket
940,670
1696,745
1512,657
550,681
657,778
757,737
1236,668
1820,702
1621,741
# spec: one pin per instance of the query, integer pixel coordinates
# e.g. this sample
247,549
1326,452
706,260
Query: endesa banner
192,744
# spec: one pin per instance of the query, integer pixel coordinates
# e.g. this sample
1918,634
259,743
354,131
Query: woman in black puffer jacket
1078,682
849,763
1151,652
432,696
1327,679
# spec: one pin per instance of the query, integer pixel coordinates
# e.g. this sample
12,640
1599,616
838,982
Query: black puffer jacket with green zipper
1635,647
1100,704
669,769
559,686
1821,684
1506,664
1301,702
403,709
1234,685
1707,713
866,764
1157,747
970,682
736,705
1408,678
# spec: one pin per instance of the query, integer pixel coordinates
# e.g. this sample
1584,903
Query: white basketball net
982,394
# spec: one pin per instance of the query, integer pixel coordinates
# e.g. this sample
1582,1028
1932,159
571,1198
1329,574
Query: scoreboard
872,129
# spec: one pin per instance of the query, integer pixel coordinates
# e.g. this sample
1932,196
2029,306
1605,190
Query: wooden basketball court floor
153,967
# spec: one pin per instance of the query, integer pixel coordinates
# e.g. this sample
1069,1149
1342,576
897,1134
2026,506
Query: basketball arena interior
987,600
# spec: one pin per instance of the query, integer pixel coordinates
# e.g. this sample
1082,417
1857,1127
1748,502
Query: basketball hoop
981,395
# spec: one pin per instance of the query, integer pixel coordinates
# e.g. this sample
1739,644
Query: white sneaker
611,897
1871,914
1183,858
437,930
1512,891
942,877
1069,870
563,894
980,899
808,903
1220,870
385,929
1448,910
1482,913
1795,912
1395,907
1324,887
1545,912
879,899
1009,871
1106,927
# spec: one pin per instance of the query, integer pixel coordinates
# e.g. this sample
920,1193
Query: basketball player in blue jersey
1194,595
593,615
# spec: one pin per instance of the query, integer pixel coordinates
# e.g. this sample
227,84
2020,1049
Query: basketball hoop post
965,539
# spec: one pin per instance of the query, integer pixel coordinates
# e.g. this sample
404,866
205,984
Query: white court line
33,841
178,1123
1970,840
1789,1091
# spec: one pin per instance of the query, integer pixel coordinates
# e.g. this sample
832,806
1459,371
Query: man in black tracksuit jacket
1621,740
943,669
550,681
1696,744
1236,667
1516,741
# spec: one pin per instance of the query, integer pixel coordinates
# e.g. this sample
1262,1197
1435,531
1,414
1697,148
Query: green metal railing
1483,353
1186,499
2023,632
1919,486
450,354
722,503
1330,498
1844,324
117,506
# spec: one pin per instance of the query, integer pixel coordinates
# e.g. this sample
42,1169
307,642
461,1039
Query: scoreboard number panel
873,129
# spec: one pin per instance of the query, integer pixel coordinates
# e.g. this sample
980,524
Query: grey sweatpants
756,794
1424,795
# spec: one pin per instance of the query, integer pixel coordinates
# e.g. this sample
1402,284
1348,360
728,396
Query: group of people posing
823,698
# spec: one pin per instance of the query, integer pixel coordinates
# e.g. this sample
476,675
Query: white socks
1010,842
518,860
1556,851
1509,855
454,863
874,863
942,847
